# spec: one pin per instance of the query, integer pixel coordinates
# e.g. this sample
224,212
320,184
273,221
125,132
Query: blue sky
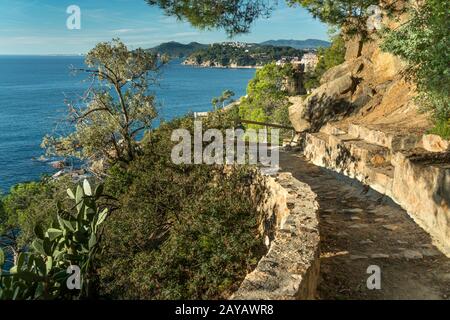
39,26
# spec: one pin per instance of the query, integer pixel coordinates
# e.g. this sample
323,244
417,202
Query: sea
34,89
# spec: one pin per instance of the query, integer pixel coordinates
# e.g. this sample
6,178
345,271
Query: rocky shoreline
211,64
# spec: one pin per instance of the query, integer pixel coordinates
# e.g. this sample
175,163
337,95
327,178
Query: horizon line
185,43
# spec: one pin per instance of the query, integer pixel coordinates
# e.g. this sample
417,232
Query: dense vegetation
267,100
225,54
177,231
175,49
423,41
182,232
159,230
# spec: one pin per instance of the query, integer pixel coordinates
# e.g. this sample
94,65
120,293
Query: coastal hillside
175,49
236,54
329,178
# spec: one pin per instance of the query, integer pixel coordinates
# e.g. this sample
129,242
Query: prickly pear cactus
72,240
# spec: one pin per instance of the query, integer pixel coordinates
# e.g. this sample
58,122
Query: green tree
236,16
253,55
226,97
423,41
265,93
117,107
350,15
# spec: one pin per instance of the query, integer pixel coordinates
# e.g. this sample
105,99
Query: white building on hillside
309,60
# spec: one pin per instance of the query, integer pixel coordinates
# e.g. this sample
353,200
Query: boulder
60,164
329,102
352,68
385,67
434,143
296,114
352,48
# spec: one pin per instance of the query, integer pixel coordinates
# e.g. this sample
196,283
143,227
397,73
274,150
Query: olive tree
115,109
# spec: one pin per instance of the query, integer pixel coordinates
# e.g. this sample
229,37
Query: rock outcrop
369,87
364,123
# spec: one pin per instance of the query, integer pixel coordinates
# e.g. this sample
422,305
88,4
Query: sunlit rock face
363,122
369,87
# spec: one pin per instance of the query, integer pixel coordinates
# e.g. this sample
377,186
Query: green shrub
26,205
182,231
442,128
266,100
423,42
72,240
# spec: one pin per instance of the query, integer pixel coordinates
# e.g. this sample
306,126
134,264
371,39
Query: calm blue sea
33,90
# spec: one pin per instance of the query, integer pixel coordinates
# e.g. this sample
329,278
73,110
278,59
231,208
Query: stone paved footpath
359,228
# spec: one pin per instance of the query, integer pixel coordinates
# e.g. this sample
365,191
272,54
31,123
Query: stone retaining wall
290,269
419,186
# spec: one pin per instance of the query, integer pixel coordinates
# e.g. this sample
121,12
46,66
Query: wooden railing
273,125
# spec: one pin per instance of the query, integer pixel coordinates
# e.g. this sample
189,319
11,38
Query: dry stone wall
290,269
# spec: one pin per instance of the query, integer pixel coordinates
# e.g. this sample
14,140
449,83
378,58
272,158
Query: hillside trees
225,97
266,98
251,55
115,110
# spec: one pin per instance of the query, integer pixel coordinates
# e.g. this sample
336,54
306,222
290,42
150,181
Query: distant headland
237,54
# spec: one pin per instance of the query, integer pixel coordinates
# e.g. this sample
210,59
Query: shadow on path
359,228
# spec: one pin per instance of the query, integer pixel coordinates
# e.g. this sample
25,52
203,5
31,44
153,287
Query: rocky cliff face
363,123
368,88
